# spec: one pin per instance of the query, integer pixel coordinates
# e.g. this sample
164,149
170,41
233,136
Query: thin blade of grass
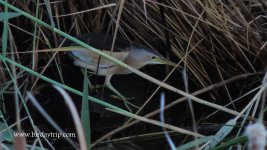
85,116
75,117
162,119
48,7
5,31
47,117
155,122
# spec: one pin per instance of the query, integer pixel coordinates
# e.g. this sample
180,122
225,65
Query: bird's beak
160,60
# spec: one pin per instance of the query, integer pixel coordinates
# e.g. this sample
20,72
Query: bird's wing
100,41
92,58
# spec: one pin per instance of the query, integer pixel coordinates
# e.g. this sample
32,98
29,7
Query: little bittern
126,51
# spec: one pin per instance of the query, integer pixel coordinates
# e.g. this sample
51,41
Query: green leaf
195,143
6,133
9,15
232,142
221,134
85,116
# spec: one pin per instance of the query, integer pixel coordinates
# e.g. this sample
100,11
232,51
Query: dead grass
217,42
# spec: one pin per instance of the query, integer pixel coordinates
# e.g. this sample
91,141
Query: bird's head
148,56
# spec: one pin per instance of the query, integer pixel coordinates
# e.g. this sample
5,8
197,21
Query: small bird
126,51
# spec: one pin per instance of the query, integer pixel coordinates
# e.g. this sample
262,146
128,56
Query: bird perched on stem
126,51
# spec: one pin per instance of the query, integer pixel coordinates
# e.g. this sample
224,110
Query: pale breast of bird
92,61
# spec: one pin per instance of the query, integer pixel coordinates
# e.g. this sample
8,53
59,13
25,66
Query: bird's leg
108,85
